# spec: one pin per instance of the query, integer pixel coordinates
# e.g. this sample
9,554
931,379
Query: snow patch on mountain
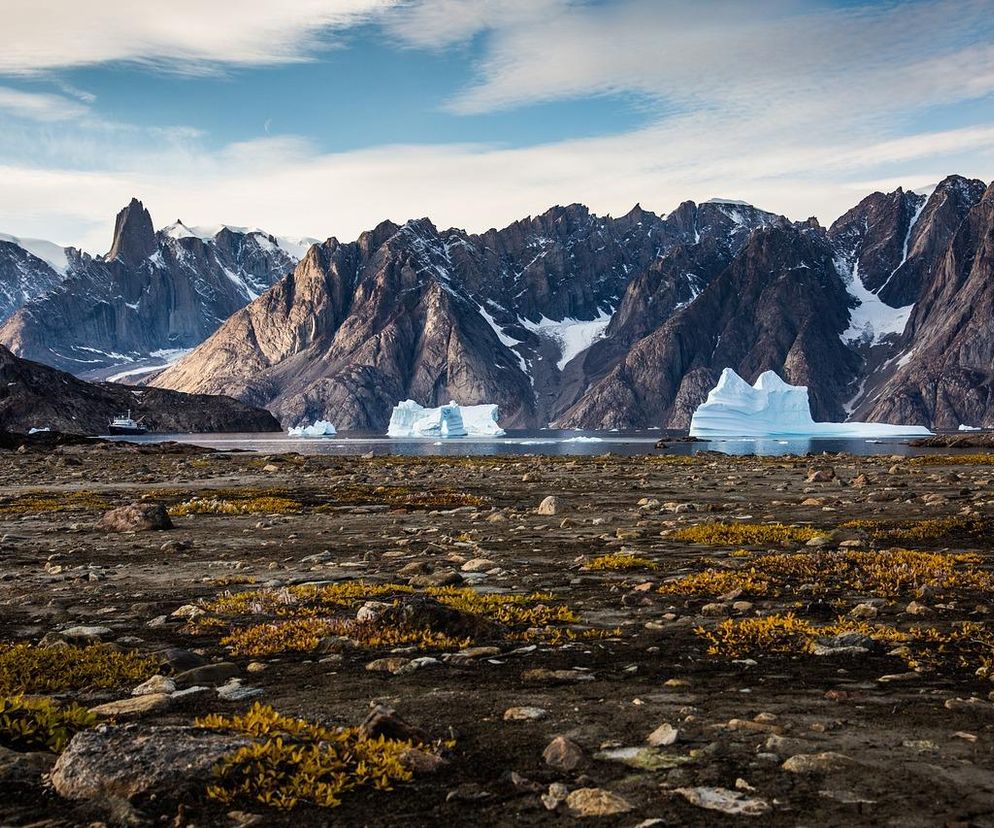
49,252
872,320
294,247
573,336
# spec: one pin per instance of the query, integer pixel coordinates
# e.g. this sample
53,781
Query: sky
322,118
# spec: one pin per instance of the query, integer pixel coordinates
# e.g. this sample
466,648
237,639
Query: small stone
85,635
564,754
156,684
234,690
724,800
541,675
823,474
863,611
596,802
478,565
663,735
390,664
133,707
816,762
551,505
525,714
210,675
556,796
256,667
914,608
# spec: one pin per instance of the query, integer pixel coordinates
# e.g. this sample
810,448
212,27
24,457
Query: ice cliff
453,420
772,408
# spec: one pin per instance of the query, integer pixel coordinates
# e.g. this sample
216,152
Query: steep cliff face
23,276
780,305
37,396
945,374
502,317
152,292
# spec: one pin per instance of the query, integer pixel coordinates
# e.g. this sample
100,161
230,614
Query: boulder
136,760
138,517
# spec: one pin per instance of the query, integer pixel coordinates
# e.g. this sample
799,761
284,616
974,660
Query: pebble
663,735
724,800
596,802
816,762
563,753
525,714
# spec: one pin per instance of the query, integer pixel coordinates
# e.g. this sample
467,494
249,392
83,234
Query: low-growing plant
297,761
222,506
26,668
619,562
30,724
744,534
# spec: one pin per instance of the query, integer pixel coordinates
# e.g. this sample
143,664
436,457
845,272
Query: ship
125,425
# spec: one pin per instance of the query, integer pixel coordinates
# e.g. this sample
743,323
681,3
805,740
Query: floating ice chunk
453,420
321,428
38,430
969,428
772,408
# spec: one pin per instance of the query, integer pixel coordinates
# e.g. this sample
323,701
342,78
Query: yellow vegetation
40,724
25,668
888,573
619,562
744,534
301,762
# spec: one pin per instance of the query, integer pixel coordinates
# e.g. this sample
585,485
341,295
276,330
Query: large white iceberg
772,408
321,428
453,420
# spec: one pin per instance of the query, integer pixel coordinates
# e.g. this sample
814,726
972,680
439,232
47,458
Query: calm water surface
533,442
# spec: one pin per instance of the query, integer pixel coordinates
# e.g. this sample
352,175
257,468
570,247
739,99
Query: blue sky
323,117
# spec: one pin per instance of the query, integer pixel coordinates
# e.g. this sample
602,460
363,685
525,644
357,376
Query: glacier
772,408
409,419
321,428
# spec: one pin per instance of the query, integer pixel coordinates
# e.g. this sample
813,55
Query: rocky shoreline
533,640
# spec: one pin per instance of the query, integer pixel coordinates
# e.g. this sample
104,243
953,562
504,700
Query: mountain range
566,318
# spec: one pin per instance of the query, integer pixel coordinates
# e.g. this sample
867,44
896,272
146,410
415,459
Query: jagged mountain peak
134,235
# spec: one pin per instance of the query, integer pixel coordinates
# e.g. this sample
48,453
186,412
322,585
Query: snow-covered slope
28,269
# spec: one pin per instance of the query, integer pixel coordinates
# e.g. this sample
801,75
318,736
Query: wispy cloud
799,106
36,106
190,36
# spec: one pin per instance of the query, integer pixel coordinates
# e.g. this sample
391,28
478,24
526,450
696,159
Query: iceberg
772,408
409,419
969,428
321,428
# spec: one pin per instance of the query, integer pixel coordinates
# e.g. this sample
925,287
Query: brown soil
913,760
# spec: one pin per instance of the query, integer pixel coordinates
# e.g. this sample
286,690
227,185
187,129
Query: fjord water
546,441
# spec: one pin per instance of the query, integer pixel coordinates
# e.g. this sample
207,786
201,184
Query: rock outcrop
37,396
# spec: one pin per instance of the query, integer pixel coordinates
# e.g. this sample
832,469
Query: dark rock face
437,315
23,277
945,375
134,236
36,396
780,305
152,292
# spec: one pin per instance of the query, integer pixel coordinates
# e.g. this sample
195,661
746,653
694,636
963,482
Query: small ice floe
969,428
321,428
46,428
